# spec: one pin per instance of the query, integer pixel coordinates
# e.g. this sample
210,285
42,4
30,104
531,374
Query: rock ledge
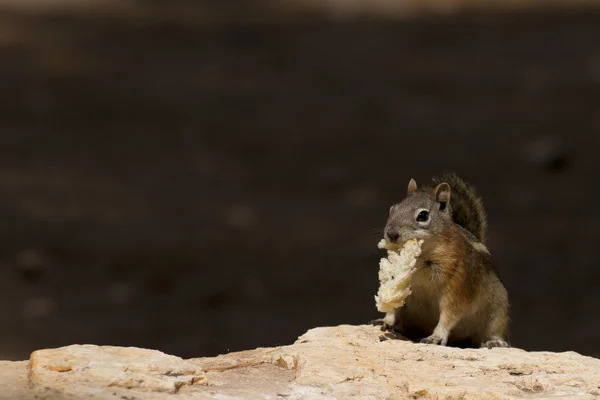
342,362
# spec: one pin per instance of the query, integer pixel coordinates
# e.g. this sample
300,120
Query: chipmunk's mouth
397,236
393,246
387,245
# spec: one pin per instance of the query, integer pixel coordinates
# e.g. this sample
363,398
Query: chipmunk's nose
392,235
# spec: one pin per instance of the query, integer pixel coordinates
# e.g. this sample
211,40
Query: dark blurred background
207,176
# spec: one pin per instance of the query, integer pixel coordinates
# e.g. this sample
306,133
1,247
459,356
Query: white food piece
395,272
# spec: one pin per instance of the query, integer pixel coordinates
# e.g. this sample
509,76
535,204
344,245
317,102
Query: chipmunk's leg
453,306
448,320
497,330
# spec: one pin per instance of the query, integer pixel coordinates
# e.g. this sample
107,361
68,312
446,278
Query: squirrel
458,297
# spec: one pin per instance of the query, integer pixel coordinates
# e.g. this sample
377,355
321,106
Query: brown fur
458,297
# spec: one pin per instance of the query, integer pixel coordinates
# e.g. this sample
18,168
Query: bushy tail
465,206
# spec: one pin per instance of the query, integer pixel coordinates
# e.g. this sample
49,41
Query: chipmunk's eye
423,216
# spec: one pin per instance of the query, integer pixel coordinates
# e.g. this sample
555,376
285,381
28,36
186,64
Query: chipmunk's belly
421,313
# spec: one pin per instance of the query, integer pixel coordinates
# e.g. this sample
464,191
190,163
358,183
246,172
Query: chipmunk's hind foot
490,344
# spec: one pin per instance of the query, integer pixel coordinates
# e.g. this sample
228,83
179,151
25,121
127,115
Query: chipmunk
457,295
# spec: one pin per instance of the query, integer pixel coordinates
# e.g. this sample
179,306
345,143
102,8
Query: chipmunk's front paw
385,326
495,343
387,323
435,339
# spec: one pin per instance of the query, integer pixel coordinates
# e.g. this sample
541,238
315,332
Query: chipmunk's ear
441,194
412,186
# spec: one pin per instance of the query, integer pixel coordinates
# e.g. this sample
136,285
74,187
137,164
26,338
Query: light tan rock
352,363
13,379
106,367
342,362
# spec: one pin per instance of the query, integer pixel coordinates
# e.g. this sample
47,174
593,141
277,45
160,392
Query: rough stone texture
106,366
13,379
341,362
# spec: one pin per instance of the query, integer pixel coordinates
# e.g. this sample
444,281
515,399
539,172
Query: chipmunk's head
421,214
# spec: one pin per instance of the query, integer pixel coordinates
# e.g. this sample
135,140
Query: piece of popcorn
395,272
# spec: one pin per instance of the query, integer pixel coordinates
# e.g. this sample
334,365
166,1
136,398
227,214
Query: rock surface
343,362
98,367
